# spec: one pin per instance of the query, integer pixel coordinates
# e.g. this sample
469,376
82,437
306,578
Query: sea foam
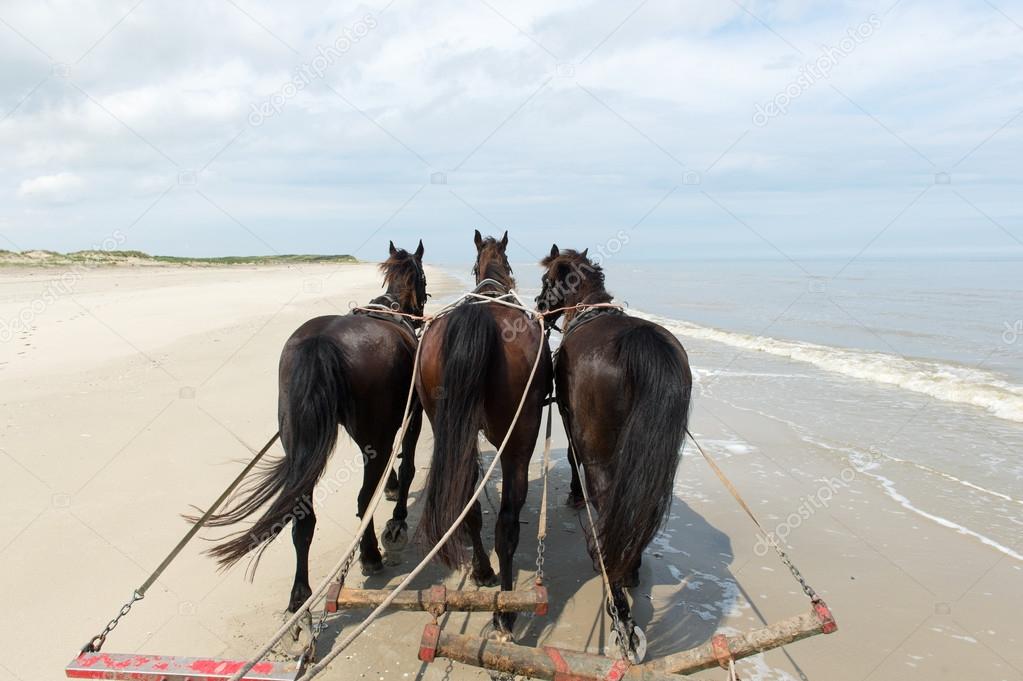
948,382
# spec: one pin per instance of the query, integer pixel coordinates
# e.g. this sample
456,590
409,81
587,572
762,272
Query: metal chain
96,642
541,532
540,548
616,623
807,589
342,575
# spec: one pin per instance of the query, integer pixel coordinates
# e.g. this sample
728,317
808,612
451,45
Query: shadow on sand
686,587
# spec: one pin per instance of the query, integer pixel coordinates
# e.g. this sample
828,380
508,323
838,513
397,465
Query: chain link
769,537
540,548
807,589
95,644
616,623
342,575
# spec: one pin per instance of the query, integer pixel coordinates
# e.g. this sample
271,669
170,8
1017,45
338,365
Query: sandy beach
141,392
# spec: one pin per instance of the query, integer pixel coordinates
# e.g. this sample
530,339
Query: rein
590,311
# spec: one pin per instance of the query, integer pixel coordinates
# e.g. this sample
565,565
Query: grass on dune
100,257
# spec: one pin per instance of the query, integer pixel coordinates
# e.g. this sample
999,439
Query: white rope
367,518
592,528
337,650
541,532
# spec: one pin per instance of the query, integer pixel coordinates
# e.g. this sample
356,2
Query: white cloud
61,188
433,85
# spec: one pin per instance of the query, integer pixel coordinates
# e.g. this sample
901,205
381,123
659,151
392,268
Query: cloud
61,188
572,117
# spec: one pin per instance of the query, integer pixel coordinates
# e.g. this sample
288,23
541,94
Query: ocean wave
866,467
948,382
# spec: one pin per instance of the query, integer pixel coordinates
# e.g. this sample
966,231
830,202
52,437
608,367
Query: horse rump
658,382
470,339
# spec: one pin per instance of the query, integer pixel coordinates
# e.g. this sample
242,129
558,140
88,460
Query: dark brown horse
475,364
623,386
353,370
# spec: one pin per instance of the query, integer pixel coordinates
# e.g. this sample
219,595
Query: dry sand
123,402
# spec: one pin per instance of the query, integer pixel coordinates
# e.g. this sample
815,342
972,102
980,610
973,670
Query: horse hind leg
395,535
624,627
513,498
482,572
392,487
303,525
370,559
302,528
575,499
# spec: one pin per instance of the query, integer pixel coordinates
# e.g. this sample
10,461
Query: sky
656,129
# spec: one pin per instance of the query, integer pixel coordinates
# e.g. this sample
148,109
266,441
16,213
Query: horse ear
478,238
504,240
420,250
554,251
585,251
393,249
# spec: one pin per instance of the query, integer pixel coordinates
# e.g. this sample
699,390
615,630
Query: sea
908,370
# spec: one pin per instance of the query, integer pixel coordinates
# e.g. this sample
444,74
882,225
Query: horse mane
401,275
399,269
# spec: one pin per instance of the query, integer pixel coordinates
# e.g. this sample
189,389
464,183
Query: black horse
354,370
623,389
475,363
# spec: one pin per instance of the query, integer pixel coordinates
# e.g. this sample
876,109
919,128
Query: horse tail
318,395
659,382
469,342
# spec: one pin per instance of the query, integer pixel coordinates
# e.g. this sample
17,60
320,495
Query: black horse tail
470,339
659,382
318,396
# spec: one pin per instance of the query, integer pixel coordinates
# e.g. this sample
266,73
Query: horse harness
386,308
588,315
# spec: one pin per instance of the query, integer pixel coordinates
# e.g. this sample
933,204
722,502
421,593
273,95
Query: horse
354,370
474,367
623,388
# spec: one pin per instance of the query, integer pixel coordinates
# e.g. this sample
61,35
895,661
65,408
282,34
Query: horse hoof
300,639
636,650
486,580
575,501
393,558
395,536
371,567
493,633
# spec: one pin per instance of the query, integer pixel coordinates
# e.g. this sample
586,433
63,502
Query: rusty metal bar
439,599
168,668
564,665
538,663
818,621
